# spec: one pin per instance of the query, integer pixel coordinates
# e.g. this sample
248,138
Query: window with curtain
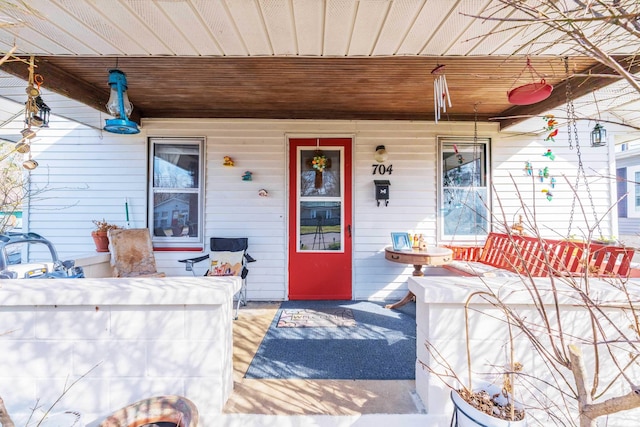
463,189
175,191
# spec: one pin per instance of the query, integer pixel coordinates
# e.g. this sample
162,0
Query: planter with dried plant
100,236
487,404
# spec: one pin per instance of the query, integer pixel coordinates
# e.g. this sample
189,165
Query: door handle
349,229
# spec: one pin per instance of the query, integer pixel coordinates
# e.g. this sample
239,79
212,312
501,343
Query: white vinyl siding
633,189
89,173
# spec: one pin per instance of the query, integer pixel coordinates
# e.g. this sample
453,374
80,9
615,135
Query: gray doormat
381,345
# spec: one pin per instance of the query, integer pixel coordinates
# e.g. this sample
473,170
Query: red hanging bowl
530,93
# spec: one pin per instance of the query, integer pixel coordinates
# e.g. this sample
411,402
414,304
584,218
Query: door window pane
321,180
320,226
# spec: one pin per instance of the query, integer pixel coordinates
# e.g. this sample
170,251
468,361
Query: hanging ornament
530,93
528,168
540,175
551,135
551,122
545,172
553,182
458,155
550,155
440,92
551,127
547,193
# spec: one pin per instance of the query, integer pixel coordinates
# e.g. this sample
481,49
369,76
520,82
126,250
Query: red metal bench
511,255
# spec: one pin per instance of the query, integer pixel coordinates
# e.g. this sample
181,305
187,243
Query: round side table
431,255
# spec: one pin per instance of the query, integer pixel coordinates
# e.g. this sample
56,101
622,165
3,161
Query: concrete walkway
285,403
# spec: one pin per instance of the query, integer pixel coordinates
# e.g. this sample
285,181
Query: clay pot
101,240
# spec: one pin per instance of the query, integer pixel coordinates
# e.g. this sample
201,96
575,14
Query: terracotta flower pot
101,240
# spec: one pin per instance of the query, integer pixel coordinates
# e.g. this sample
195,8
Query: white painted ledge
119,291
448,289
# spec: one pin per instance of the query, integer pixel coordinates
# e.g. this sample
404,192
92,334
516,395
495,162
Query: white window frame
633,192
464,142
177,242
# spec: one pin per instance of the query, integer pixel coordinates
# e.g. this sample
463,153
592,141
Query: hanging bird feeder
530,93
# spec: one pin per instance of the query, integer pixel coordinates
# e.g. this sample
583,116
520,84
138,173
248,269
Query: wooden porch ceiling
315,59
376,88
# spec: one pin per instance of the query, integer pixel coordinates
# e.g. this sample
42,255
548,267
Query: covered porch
233,101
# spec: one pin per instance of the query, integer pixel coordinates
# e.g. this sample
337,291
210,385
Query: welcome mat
338,317
380,344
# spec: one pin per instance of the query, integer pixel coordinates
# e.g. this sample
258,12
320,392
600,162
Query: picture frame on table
401,241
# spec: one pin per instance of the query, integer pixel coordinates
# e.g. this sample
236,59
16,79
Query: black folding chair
228,257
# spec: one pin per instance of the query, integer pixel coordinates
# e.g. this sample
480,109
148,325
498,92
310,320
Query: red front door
320,219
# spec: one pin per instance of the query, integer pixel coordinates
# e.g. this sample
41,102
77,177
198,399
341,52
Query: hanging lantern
119,105
598,136
43,111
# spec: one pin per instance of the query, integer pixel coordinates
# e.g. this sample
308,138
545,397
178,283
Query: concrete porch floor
310,402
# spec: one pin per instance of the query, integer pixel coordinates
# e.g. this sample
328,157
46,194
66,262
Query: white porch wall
89,174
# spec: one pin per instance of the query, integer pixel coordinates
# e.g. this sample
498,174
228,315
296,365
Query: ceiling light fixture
119,105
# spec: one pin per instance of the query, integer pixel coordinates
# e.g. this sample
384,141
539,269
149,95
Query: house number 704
382,169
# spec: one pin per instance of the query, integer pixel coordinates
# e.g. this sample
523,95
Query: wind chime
440,92
36,115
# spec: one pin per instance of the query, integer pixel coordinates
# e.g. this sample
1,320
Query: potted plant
479,403
487,404
99,235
